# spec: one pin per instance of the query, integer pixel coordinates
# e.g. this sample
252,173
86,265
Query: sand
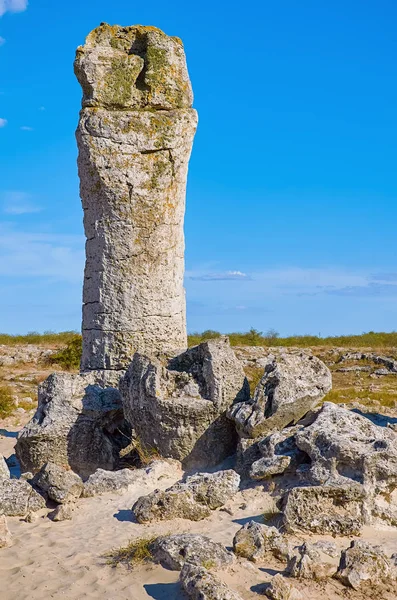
66,559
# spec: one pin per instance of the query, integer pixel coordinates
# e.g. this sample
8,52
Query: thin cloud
365,291
2,41
384,277
3,122
18,203
225,276
26,128
12,6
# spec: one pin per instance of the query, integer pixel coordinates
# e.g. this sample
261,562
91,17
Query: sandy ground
66,559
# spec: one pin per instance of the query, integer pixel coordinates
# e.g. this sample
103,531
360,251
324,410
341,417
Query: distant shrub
69,358
7,405
33,337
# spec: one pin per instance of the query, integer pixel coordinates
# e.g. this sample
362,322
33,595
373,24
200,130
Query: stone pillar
134,136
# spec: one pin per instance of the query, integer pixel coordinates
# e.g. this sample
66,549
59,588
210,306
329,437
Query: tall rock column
134,136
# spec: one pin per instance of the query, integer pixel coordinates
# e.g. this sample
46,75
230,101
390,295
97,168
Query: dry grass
254,375
7,404
136,552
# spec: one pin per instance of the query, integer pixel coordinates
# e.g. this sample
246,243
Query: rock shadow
164,591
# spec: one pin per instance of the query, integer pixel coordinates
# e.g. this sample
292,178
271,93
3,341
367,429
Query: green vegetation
271,338
366,397
68,358
7,405
48,338
137,551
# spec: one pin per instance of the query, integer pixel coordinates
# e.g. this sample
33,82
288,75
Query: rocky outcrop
134,136
5,534
293,383
18,498
77,425
173,551
199,584
362,563
178,406
255,540
307,562
325,509
281,589
193,499
61,486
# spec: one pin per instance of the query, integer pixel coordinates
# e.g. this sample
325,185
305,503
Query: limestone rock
266,467
76,425
345,446
4,470
306,562
199,584
61,486
63,512
173,551
17,498
281,589
135,136
292,385
362,563
5,534
179,408
255,540
324,509
193,499
329,548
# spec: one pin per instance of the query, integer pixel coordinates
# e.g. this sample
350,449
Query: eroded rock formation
134,136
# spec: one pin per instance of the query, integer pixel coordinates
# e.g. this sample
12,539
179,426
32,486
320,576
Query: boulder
281,589
5,534
293,384
179,406
347,447
192,499
173,551
199,584
361,564
255,540
76,425
61,486
307,562
334,510
4,470
18,498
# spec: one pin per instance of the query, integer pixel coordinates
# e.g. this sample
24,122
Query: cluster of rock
388,365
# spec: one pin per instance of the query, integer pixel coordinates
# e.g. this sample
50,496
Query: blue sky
292,194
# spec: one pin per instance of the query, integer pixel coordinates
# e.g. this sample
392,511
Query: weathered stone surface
134,136
281,589
193,499
200,584
102,482
306,562
179,408
76,425
345,446
292,384
61,486
5,534
173,551
4,470
362,563
63,512
255,540
324,509
266,467
329,548
18,498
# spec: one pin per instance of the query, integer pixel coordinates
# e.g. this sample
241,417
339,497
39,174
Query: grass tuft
136,552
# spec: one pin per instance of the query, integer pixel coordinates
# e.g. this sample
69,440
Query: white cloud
223,276
3,122
18,203
2,41
13,6
28,254
26,128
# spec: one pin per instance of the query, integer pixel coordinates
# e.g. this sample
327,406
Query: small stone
254,540
199,584
61,485
266,467
281,589
17,498
31,517
305,562
174,550
5,534
63,512
362,563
